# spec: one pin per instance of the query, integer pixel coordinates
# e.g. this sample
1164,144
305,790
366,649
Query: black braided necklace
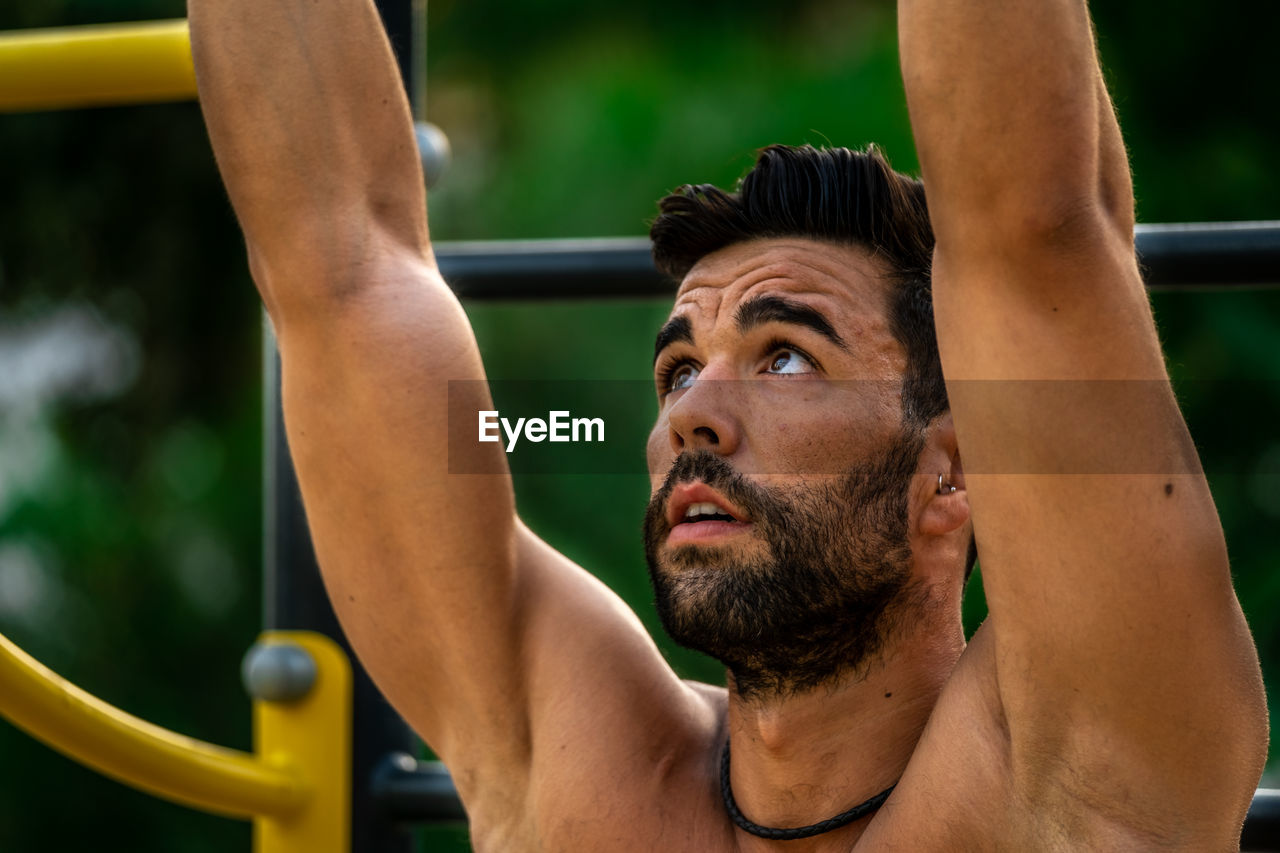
842,819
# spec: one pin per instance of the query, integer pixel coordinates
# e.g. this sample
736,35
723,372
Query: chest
669,800
686,814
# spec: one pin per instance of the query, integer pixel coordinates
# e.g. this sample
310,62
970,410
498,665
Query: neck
801,758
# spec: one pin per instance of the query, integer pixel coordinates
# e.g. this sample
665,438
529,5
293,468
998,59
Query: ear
948,509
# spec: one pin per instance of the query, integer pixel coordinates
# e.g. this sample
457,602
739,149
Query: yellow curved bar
96,66
138,753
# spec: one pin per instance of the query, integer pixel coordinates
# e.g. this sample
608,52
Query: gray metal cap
278,672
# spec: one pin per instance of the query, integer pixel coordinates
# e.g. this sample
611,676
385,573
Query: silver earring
944,489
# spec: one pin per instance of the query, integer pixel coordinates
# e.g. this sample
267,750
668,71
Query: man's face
777,531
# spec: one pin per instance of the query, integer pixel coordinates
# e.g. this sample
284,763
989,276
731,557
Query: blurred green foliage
130,515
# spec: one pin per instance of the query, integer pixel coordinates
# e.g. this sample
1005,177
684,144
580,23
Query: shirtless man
1111,701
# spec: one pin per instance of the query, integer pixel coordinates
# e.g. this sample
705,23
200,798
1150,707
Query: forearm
311,130
1010,114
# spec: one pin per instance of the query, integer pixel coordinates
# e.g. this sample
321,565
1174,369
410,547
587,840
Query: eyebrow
676,330
777,309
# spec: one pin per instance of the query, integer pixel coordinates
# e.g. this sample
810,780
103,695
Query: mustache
717,473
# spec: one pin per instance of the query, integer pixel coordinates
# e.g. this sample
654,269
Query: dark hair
852,198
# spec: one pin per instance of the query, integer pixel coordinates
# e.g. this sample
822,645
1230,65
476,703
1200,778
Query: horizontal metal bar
151,61
552,269
104,65
406,790
136,752
1262,826
1210,254
411,791
1173,256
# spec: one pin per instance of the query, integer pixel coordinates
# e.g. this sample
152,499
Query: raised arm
1128,677
479,634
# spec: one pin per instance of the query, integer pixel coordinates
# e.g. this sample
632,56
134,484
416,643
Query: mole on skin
1168,488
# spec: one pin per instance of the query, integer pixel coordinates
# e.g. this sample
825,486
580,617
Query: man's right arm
484,638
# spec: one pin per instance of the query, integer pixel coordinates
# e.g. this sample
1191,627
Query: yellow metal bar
138,753
95,66
312,736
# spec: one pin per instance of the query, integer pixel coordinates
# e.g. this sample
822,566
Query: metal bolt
278,672
433,149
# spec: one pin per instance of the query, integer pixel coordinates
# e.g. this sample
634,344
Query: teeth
704,508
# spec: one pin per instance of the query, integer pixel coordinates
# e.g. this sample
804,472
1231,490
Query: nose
705,417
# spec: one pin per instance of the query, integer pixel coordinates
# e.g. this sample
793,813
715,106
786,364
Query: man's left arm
1129,679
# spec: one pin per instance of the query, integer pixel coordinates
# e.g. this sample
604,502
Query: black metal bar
1172,256
1210,254
552,269
409,791
1262,826
397,20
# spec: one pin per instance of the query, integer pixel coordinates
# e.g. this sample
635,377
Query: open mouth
698,513
705,511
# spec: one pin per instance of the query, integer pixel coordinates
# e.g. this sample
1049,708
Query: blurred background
130,344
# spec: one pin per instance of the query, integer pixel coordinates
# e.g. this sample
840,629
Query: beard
832,585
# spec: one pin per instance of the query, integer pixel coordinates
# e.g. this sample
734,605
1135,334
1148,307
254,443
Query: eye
682,377
786,360
677,377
